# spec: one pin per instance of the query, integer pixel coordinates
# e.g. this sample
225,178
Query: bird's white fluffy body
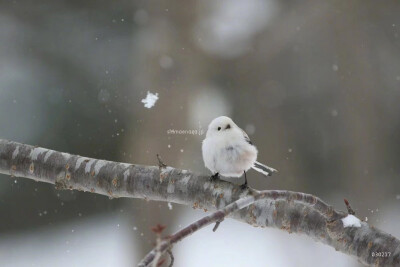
227,150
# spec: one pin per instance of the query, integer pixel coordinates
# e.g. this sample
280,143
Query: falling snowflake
150,100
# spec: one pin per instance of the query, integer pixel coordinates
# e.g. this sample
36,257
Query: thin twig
158,229
171,256
217,223
161,164
349,209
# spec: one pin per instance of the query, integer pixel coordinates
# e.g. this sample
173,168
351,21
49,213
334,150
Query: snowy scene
199,133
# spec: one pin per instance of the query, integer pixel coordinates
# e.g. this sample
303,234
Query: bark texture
295,212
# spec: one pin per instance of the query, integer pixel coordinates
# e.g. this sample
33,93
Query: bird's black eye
228,126
219,128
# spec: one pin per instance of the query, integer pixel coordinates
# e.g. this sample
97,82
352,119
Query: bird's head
220,125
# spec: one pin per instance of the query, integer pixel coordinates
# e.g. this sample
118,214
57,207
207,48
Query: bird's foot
214,177
244,186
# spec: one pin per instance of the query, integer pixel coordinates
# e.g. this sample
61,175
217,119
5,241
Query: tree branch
319,220
239,204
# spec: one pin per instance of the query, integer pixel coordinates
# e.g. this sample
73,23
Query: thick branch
179,186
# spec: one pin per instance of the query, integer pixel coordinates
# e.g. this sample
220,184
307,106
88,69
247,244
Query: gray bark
293,214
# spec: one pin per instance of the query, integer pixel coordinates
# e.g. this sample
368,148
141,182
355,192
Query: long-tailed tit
228,151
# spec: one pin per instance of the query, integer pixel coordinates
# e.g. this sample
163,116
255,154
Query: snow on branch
289,211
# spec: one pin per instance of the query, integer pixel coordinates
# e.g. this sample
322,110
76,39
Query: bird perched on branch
228,151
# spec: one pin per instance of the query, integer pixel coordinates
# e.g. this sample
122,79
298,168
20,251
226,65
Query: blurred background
315,84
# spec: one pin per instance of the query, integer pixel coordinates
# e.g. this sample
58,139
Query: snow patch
35,153
351,221
15,153
150,100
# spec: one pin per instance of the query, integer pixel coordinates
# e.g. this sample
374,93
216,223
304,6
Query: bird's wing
246,137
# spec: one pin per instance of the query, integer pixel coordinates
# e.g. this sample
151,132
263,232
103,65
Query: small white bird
228,151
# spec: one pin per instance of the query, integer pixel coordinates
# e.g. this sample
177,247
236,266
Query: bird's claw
214,177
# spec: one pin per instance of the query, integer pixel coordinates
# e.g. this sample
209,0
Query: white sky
88,242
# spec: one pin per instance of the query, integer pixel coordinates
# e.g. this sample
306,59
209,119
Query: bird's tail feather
264,169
